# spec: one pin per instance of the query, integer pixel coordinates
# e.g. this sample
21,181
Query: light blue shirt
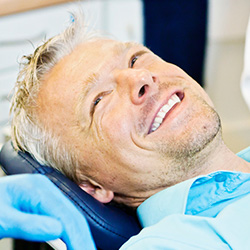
206,212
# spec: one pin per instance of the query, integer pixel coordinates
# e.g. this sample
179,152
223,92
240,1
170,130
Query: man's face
135,121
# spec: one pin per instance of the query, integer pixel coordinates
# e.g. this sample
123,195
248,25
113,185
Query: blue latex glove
33,208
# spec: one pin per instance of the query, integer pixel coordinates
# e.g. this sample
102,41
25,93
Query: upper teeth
163,111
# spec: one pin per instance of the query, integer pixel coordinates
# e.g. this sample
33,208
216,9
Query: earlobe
97,191
103,195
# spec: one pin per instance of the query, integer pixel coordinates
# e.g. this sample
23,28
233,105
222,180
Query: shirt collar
164,203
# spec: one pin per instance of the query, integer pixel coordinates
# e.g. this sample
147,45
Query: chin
195,136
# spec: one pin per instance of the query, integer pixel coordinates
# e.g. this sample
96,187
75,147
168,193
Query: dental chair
110,226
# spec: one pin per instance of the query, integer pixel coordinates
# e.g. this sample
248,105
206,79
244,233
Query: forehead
104,47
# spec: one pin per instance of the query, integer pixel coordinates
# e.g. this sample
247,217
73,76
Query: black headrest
110,226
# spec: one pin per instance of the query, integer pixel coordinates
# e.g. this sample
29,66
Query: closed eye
97,100
135,57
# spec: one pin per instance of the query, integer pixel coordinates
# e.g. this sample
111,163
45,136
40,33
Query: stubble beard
194,137
198,127
185,153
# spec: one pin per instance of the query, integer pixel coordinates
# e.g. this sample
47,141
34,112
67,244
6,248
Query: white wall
224,65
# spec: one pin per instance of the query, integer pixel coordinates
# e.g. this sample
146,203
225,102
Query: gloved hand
33,208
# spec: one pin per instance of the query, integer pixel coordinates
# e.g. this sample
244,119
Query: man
127,126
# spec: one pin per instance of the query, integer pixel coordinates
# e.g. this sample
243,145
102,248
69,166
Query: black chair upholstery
110,225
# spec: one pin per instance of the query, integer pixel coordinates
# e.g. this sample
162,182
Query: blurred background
204,37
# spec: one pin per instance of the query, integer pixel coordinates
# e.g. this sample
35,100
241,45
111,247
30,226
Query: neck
220,157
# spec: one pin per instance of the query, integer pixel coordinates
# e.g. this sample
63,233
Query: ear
97,191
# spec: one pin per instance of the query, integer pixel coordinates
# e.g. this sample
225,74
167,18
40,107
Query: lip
181,95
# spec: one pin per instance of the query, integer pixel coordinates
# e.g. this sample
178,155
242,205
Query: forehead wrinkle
121,48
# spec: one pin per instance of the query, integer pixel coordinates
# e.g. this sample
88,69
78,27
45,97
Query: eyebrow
123,47
86,86
89,83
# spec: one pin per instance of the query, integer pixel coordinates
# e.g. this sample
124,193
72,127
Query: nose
138,83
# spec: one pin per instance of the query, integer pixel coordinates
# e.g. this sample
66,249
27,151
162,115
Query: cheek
201,92
118,145
116,128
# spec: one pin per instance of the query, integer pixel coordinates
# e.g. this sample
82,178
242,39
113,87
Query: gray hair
26,132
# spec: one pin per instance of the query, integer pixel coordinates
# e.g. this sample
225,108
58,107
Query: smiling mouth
176,98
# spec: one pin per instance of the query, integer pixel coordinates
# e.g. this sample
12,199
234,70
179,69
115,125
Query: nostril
142,91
